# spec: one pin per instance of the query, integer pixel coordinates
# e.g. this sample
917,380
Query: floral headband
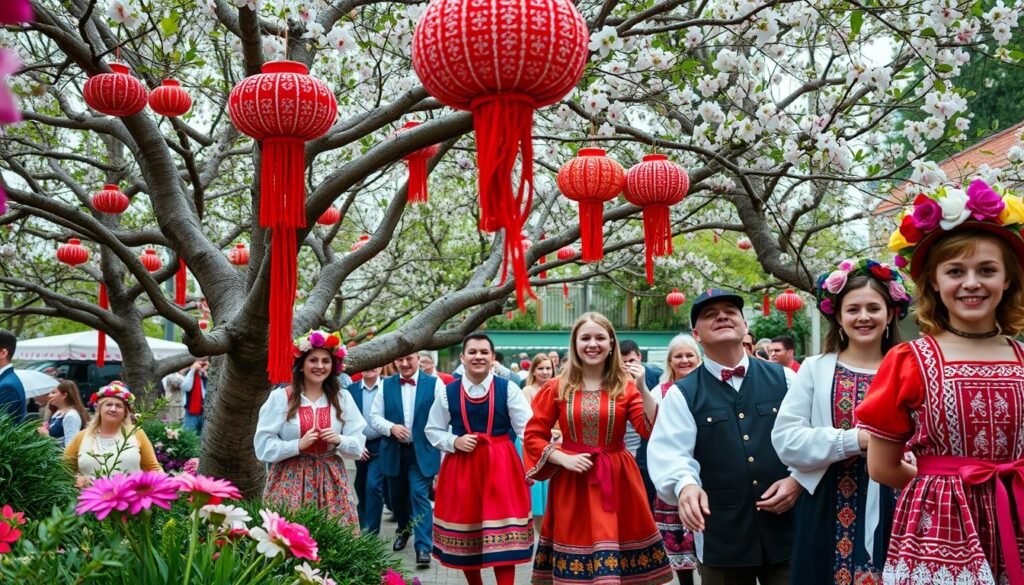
112,390
981,206
322,340
831,284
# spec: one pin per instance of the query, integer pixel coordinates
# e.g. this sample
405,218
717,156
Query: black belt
406,445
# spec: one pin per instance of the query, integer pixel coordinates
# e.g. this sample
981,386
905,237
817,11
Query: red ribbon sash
601,472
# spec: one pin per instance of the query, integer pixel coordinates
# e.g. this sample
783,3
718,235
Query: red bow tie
738,372
412,382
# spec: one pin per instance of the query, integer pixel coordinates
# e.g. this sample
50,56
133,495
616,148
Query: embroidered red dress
946,527
682,552
598,527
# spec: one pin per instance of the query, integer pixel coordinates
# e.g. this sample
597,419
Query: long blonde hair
678,341
614,378
126,424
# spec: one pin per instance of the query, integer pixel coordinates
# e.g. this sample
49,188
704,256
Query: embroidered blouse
277,439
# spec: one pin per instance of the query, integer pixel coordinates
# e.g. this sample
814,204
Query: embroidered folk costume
682,553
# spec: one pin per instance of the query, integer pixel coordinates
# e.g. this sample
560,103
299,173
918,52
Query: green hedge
33,476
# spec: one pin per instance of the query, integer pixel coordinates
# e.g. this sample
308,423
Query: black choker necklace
968,335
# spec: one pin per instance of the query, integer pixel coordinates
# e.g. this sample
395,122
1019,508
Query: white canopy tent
82,346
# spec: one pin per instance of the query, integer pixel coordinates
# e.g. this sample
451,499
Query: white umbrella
36,383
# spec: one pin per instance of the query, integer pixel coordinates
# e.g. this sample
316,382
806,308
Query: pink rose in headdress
317,339
826,306
985,204
846,265
927,213
899,261
897,292
836,281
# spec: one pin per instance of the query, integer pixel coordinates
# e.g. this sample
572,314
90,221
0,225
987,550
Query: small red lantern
744,243
239,255
417,162
150,260
110,200
566,253
170,99
591,179
789,302
115,94
362,241
675,298
654,185
73,253
330,216
204,323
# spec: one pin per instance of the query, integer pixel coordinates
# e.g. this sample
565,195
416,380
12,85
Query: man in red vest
194,389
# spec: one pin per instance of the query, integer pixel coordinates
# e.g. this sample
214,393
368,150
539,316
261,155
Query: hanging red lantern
170,99
180,284
330,216
566,253
115,94
151,260
204,323
362,241
789,302
73,253
239,255
675,298
766,305
282,107
501,61
591,179
110,200
418,172
654,185
744,243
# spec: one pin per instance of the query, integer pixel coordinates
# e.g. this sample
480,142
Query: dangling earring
887,329
842,335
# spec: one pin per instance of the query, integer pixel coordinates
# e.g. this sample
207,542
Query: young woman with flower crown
306,428
843,519
956,395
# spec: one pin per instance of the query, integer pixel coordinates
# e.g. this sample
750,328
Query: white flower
225,516
172,434
595,103
265,545
305,13
954,208
341,38
605,41
606,129
314,30
122,11
1015,154
693,37
308,575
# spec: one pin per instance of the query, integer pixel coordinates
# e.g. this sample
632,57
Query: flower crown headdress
114,389
831,284
318,339
931,215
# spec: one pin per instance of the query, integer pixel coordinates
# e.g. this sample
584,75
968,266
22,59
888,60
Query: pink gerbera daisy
105,495
208,489
277,535
150,488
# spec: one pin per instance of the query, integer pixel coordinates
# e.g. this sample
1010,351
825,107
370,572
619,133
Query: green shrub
173,444
33,477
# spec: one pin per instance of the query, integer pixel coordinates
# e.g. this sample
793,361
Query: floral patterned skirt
682,554
317,481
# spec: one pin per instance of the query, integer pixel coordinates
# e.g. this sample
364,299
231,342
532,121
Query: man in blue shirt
369,479
12,393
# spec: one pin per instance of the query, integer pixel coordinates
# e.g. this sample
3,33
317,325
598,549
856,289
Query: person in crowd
683,358
407,459
369,479
38,408
648,377
762,349
174,411
598,527
782,350
748,344
556,361
514,368
955,397
541,371
193,388
482,513
428,363
711,452
306,428
12,393
107,444
843,519
69,414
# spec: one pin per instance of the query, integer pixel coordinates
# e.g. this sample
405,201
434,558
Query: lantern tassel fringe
180,284
591,224
101,337
282,300
657,236
417,180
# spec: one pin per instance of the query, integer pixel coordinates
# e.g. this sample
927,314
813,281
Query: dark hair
629,346
761,353
786,341
9,342
74,399
835,341
478,335
498,356
332,386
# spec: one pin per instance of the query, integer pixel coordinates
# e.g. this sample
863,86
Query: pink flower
208,489
150,488
105,495
836,281
9,533
277,535
927,213
899,261
846,265
9,65
985,204
392,578
317,339
15,11
897,292
191,466
826,306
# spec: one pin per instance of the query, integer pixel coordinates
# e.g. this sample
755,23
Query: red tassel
657,236
766,308
591,230
417,180
789,319
543,260
101,337
180,284
282,301
565,291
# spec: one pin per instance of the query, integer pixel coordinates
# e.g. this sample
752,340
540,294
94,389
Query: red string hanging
180,284
101,337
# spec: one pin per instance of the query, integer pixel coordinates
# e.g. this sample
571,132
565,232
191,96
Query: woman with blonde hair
598,527
69,413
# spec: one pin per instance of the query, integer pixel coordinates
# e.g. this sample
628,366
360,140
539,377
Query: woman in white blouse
306,428
69,413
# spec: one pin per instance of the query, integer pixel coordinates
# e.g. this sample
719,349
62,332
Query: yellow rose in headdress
1013,213
897,241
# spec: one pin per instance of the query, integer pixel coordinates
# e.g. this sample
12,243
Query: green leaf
856,21
1018,55
943,67
977,9
169,24
928,32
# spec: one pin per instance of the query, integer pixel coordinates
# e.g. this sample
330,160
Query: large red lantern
675,298
591,179
239,255
330,216
282,107
501,61
789,302
169,99
115,94
73,253
654,185
110,200
151,260
417,162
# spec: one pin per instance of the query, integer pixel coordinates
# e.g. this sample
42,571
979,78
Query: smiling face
972,285
477,358
720,323
407,365
593,344
864,316
111,411
683,361
317,366
542,372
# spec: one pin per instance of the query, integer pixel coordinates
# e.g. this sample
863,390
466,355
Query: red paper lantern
110,200
789,302
675,298
239,255
566,253
73,253
744,243
330,216
150,260
591,179
204,323
115,94
501,61
170,99
418,172
362,241
283,107
654,185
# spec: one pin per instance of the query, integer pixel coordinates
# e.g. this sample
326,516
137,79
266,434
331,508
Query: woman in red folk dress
598,527
956,395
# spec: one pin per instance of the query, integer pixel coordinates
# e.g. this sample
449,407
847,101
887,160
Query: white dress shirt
383,425
439,422
369,396
277,439
5,368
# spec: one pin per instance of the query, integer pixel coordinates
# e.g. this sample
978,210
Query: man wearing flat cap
711,451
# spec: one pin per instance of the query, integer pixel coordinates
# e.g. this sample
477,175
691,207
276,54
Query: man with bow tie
407,459
711,452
